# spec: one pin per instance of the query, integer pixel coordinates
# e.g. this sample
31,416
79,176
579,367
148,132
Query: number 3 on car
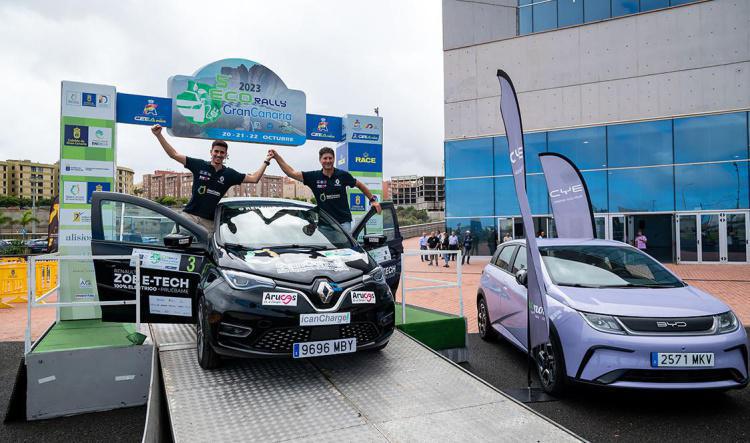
325,347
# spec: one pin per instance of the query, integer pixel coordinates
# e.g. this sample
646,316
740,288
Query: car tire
550,365
486,331
207,357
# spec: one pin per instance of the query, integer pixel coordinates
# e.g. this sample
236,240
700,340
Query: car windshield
256,227
601,266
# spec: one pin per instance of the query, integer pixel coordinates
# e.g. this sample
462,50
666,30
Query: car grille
680,375
669,325
363,332
281,340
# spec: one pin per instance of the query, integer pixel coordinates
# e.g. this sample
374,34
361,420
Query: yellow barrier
13,281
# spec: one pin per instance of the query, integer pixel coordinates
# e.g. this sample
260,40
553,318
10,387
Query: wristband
267,162
373,199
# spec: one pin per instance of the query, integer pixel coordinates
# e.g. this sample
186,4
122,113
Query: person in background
423,246
453,244
432,243
445,246
467,244
540,234
641,241
506,238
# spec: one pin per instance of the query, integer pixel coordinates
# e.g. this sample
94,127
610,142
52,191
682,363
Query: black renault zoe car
277,278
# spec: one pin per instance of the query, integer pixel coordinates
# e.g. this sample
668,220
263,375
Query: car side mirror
374,240
522,277
178,241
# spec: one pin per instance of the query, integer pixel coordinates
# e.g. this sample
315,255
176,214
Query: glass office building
668,159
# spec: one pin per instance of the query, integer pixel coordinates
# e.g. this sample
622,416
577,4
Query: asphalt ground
603,415
121,425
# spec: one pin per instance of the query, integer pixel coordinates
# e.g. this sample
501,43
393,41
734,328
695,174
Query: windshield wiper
236,246
303,247
579,285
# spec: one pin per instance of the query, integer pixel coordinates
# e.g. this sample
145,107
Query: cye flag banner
511,114
571,205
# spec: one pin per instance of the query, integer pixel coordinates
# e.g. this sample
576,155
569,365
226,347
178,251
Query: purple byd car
617,318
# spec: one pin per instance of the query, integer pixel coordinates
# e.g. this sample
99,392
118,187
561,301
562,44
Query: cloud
348,57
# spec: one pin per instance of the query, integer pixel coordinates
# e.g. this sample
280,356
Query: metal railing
40,302
417,230
445,284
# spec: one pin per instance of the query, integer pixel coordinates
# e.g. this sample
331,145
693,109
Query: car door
494,284
517,305
123,224
389,255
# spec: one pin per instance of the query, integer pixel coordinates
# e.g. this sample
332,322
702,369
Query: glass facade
543,15
674,165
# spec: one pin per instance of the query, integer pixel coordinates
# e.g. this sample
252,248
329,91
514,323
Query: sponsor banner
240,100
323,319
75,237
357,202
74,192
75,217
87,168
279,299
537,298
144,110
88,100
87,136
569,197
365,158
363,129
76,135
158,304
324,127
363,297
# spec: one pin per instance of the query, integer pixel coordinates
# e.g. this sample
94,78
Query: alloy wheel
199,332
546,365
482,318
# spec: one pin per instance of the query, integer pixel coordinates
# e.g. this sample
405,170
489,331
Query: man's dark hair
324,151
221,143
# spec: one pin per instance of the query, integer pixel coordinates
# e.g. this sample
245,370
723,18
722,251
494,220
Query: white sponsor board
75,237
363,297
75,217
86,168
74,192
100,137
279,299
322,319
88,100
167,261
158,304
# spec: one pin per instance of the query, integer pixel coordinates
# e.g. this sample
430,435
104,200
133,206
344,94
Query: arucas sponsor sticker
279,299
361,297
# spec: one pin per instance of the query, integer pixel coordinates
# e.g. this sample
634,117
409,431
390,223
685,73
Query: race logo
365,158
150,108
363,297
196,104
279,299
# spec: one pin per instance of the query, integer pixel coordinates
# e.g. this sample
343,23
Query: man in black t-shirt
329,186
211,180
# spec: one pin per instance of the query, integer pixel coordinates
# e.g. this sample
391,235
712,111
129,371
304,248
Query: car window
520,261
127,222
504,257
382,223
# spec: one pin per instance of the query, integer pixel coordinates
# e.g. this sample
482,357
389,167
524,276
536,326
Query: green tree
26,218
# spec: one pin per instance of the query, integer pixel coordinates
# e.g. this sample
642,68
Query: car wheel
550,365
486,331
207,357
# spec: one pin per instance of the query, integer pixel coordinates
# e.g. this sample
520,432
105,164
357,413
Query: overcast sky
347,56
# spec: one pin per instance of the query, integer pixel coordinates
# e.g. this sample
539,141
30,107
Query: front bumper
275,329
624,361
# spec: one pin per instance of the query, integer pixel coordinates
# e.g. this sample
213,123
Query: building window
640,144
624,7
468,158
469,197
544,15
586,147
641,189
711,186
569,12
710,138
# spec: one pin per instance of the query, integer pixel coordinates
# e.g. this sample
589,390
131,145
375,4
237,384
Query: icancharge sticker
362,297
380,254
158,304
322,319
335,265
279,299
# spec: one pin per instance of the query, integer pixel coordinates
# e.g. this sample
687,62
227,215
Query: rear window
504,257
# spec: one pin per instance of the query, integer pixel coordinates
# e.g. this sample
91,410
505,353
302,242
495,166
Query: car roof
570,242
266,201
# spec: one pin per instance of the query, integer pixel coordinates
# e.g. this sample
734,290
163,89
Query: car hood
687,301
299,267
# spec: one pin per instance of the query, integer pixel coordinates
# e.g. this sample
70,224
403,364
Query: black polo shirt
209,185
330,192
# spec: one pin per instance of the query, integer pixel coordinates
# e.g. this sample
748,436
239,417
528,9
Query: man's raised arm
288,170
171,152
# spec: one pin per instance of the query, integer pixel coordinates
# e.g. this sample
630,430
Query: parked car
617,318
277,278
37,245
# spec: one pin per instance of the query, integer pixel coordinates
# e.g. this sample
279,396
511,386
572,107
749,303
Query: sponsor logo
89,99
555,193
100,137
516,154
84,284
76,135
536,309
221,179
669,324
92,187
370,137
326,290
85,296
86,168
103,101
74,192
72,98
357,124
150,108
322,125
279,299
334,318
157,259
121,280
357,202
365,158
362,297
342,160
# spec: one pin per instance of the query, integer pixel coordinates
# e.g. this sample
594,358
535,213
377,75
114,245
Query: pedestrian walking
467,244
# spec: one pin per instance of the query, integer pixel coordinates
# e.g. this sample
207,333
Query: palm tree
26,218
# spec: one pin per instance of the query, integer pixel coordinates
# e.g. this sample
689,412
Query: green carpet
436,330
85,334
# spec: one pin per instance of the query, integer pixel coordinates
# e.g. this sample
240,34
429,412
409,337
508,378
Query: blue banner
365,158
325,128
91,187
357,201
144,110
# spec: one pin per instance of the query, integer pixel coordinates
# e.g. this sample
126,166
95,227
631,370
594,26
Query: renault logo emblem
326,290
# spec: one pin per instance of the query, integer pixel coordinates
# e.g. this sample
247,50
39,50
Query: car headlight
603,323
377,275
727,322
242,280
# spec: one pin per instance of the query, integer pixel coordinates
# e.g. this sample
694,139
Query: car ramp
406,392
